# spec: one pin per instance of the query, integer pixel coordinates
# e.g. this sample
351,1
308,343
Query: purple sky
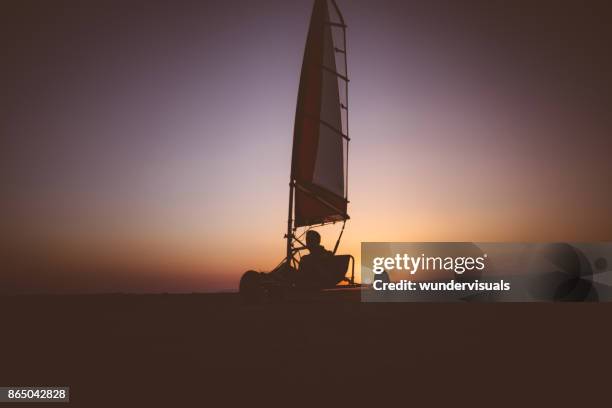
146,146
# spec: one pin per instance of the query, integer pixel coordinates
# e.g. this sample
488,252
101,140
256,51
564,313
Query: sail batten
320,140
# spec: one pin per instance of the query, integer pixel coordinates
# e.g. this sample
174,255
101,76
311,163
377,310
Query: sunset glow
149,150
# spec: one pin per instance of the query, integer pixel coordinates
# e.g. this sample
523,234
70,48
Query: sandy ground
202,350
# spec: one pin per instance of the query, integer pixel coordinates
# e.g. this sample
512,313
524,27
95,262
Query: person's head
313,239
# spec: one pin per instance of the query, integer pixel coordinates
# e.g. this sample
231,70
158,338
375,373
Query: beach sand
207,349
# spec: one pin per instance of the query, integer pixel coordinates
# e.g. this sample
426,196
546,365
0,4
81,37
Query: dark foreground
200,350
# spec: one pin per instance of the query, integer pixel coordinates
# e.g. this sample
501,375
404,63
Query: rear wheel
251,289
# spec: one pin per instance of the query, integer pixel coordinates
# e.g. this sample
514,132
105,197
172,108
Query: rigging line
339,236
305,231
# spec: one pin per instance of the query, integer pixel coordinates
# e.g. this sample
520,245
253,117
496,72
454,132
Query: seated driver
311,266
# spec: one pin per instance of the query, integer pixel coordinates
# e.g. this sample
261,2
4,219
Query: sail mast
289,235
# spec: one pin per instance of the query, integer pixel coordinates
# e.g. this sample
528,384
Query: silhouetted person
312,265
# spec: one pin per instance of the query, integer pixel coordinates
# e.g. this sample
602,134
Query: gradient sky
146,145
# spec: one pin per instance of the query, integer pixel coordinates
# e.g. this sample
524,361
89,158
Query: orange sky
157,159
